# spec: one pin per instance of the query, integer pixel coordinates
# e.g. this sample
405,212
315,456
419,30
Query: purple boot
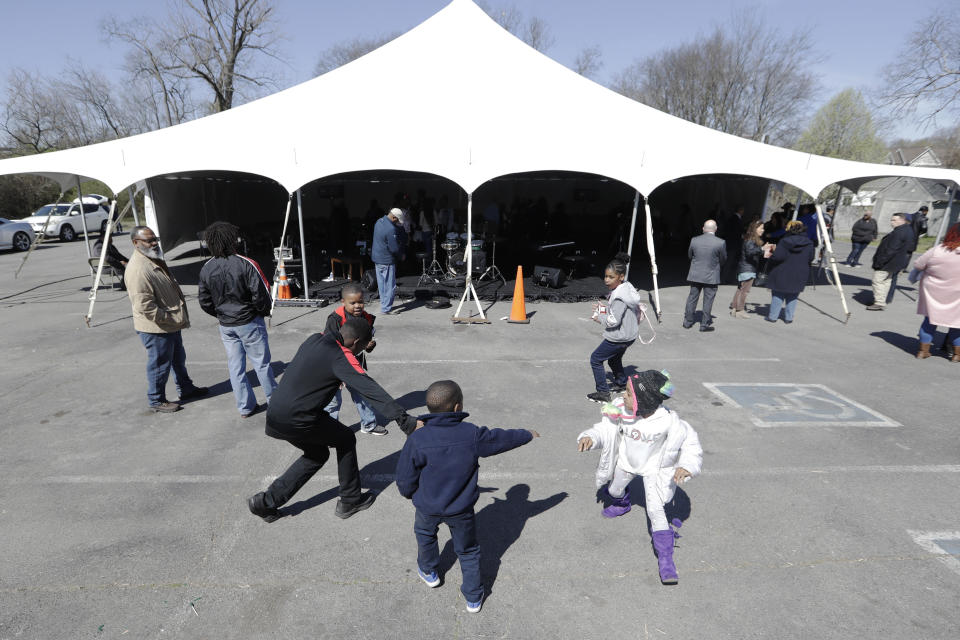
618,506
663,545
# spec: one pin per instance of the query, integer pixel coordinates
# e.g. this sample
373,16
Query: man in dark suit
891,257
707,253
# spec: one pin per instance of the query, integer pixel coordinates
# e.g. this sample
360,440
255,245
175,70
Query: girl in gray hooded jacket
620,317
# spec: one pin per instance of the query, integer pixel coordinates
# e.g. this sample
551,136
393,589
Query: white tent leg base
468,292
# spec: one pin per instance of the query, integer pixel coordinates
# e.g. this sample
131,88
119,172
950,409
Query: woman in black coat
789,271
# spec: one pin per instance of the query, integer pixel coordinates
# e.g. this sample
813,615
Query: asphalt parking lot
827,507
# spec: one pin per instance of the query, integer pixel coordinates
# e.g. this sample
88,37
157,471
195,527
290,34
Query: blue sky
855,42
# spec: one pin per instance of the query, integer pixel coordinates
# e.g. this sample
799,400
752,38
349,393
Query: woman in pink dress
939,301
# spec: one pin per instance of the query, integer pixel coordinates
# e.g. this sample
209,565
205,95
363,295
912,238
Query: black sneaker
599,396
196,392
257,508
344,511
617,388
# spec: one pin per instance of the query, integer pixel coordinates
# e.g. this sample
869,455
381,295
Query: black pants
709,293
315,442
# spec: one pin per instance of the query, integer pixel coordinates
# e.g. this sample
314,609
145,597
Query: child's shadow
376,477
499,525
679,508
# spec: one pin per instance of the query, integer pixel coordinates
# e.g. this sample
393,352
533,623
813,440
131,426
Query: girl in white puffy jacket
637,436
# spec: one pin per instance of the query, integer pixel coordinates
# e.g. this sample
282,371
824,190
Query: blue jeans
165,351
854,257
240,342
777,300
368,418
612,353
386,285
463,531
928,331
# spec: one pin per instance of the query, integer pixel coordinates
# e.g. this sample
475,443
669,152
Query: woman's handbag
761,279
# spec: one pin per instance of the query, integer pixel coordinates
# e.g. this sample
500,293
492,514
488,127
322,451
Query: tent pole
38,238
946,216
633,227
468,289
103,259
83,220
303,249
653,259
822,227
133,205
276,270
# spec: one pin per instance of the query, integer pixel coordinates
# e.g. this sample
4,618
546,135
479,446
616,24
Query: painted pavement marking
943,544
784,404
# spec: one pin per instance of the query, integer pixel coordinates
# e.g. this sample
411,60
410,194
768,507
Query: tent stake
468,282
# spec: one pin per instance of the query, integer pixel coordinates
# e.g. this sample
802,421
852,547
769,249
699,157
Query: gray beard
153,252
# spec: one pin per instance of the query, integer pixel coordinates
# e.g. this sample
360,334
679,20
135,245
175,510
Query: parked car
65,220
15,234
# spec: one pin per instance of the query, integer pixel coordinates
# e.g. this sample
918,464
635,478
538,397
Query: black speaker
547,277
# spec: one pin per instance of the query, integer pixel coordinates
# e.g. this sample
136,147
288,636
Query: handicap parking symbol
780,404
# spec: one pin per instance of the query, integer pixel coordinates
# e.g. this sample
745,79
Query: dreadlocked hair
221,239
619,264
951,240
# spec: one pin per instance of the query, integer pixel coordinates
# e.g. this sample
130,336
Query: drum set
455,246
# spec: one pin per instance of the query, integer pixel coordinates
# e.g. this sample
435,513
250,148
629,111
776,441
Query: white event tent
497,107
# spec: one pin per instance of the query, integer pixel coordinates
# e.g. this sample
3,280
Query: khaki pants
881,287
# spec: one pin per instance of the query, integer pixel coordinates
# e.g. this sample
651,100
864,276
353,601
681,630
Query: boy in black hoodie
438,469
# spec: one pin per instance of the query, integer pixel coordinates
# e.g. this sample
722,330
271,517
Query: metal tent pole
303,249
103,260
653,259
945,221
633,227
821,225
468,289
133,205
273,290
83,220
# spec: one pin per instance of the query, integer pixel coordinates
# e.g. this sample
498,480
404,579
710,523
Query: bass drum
458,262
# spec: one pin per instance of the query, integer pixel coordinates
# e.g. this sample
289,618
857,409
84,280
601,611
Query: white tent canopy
492,106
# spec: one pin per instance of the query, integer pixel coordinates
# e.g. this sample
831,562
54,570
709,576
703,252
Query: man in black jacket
296,414
234,290
892,256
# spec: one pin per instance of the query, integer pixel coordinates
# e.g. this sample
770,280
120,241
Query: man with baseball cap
389,246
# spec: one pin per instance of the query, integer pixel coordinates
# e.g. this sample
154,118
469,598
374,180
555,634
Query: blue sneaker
474,607
432,579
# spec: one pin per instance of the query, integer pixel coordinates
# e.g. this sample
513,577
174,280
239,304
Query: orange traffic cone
518,312
283,288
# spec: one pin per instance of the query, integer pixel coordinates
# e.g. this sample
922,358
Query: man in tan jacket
159,314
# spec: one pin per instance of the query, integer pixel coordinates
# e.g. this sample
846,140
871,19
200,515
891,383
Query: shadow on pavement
902,342
375,477
499,525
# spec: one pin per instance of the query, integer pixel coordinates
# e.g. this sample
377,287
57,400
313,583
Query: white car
15,234
65,220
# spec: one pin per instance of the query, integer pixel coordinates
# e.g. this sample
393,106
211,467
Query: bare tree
588,62
165,98
30,114
926,76
348,51
745,79
217,43
534,31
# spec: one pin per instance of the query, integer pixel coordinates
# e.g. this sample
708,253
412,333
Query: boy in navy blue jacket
438,469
